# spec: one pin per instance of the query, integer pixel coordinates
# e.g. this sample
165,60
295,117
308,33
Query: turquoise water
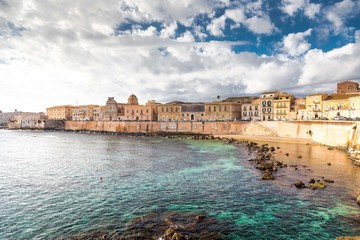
50,186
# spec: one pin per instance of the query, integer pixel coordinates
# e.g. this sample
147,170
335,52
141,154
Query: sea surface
51,186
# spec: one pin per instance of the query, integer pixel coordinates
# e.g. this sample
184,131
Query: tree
218,97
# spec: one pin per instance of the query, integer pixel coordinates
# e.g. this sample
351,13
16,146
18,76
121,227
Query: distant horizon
55,52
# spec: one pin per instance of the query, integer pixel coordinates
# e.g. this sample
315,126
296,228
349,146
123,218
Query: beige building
85,112
314,106
251,111
170,111
354,108
193,112
63,112
222,111
337,105
284,107
135,112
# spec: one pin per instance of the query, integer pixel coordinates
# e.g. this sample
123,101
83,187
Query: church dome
133,100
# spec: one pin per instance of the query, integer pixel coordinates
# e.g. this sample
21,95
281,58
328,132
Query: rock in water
317,185
300,184
267,176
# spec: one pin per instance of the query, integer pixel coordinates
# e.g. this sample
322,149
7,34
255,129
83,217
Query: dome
133,100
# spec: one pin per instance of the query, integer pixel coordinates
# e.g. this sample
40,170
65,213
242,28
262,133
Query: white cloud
312,9
58,54
341,10
291,7
260,25
217,26
294,44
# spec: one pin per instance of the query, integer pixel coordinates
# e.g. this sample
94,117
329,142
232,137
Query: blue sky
70,52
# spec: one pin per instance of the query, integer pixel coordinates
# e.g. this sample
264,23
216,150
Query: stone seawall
337,134
340,134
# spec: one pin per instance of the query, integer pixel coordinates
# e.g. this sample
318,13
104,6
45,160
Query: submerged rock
267,176
317,185
300,184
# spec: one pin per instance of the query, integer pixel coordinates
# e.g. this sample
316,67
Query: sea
57,185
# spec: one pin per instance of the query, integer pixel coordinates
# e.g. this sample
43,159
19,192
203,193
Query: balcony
316,101
316,110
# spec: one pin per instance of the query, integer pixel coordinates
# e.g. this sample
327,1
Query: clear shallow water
50,186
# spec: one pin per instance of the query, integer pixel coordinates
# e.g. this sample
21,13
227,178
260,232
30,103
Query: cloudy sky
55,52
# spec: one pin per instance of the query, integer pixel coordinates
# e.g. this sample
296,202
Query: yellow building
284,107
222,111
63,112
314,106
135,112
354,108
84,112
170,111
337,105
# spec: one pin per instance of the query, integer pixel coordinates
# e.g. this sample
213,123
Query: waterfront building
113,110
99,113
193,112
84,112
347,87
251,111
63,112
284,107
354,104
337,105
222,111
30,120
314,106
135,112
5,117
170,111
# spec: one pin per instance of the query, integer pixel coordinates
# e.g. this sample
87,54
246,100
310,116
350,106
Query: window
245,113
245,108
263,103
269,103
264,110
256,108
269,110
162,109
219,108
171,109
209,109
225,109
176,109
214,109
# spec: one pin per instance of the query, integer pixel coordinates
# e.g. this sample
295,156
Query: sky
81,52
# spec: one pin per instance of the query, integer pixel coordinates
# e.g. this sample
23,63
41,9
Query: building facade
170,111
314,106
251,111
347,87
85,112
63,112
222,111
284,107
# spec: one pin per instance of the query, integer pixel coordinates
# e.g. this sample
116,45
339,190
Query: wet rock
200,218
312,180
317,185
266,166
272,149
300,184
267,176
328,180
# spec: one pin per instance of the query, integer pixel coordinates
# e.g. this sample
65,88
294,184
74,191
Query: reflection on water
50,186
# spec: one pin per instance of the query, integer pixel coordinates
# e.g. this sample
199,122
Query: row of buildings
274,105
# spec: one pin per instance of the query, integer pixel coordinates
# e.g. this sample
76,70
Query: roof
340,96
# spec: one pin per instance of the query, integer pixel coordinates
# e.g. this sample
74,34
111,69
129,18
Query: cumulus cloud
291,7
337,13
56,53
295,44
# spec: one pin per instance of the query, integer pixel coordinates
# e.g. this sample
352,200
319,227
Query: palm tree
218,97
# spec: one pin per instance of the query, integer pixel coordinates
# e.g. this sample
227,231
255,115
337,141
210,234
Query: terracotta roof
340,96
